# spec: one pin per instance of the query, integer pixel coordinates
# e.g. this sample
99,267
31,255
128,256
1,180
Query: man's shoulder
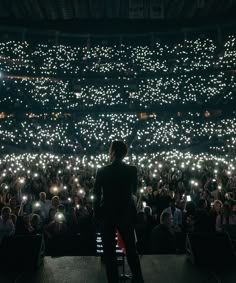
109,166
131,167
104,168
101,170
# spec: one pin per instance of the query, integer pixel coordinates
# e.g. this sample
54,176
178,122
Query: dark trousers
109,245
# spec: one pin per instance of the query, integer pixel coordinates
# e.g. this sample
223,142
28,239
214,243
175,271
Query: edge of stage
156,268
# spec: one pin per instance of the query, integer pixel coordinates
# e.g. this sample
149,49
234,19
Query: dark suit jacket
113,191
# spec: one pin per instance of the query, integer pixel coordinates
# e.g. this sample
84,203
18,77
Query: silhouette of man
114,206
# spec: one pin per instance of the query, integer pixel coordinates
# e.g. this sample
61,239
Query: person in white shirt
7,228
175,214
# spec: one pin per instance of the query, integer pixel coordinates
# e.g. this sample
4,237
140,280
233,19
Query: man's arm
97,193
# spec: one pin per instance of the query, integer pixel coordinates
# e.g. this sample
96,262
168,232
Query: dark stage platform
156,269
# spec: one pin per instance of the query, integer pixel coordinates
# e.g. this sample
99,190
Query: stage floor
156,269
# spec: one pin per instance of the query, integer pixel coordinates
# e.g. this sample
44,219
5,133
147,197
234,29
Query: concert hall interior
117,141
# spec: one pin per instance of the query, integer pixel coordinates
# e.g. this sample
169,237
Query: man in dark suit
114,206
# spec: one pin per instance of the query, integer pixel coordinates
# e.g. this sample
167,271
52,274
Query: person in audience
57,227
7,228
148,197
55,202
13,205
13,218
189,216
28,207
150,219
176,215
216,210
162,200
51,215
162,236
226,218
150,224
217,207
44,205
36,224
23,225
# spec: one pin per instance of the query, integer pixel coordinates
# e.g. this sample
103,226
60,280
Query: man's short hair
164,216
42,194
120,149
147,210
55,198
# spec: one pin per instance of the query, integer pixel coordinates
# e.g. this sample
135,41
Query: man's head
149,189
55,201
26,219
42,196
165,219
29,198
217,205
35,220
6,213
118,150
147,211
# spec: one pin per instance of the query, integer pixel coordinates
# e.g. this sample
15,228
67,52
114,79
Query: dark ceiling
99,9
47,12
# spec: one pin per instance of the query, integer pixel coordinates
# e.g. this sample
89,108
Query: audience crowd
46,76
68,95
177,193
93,133
106,59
